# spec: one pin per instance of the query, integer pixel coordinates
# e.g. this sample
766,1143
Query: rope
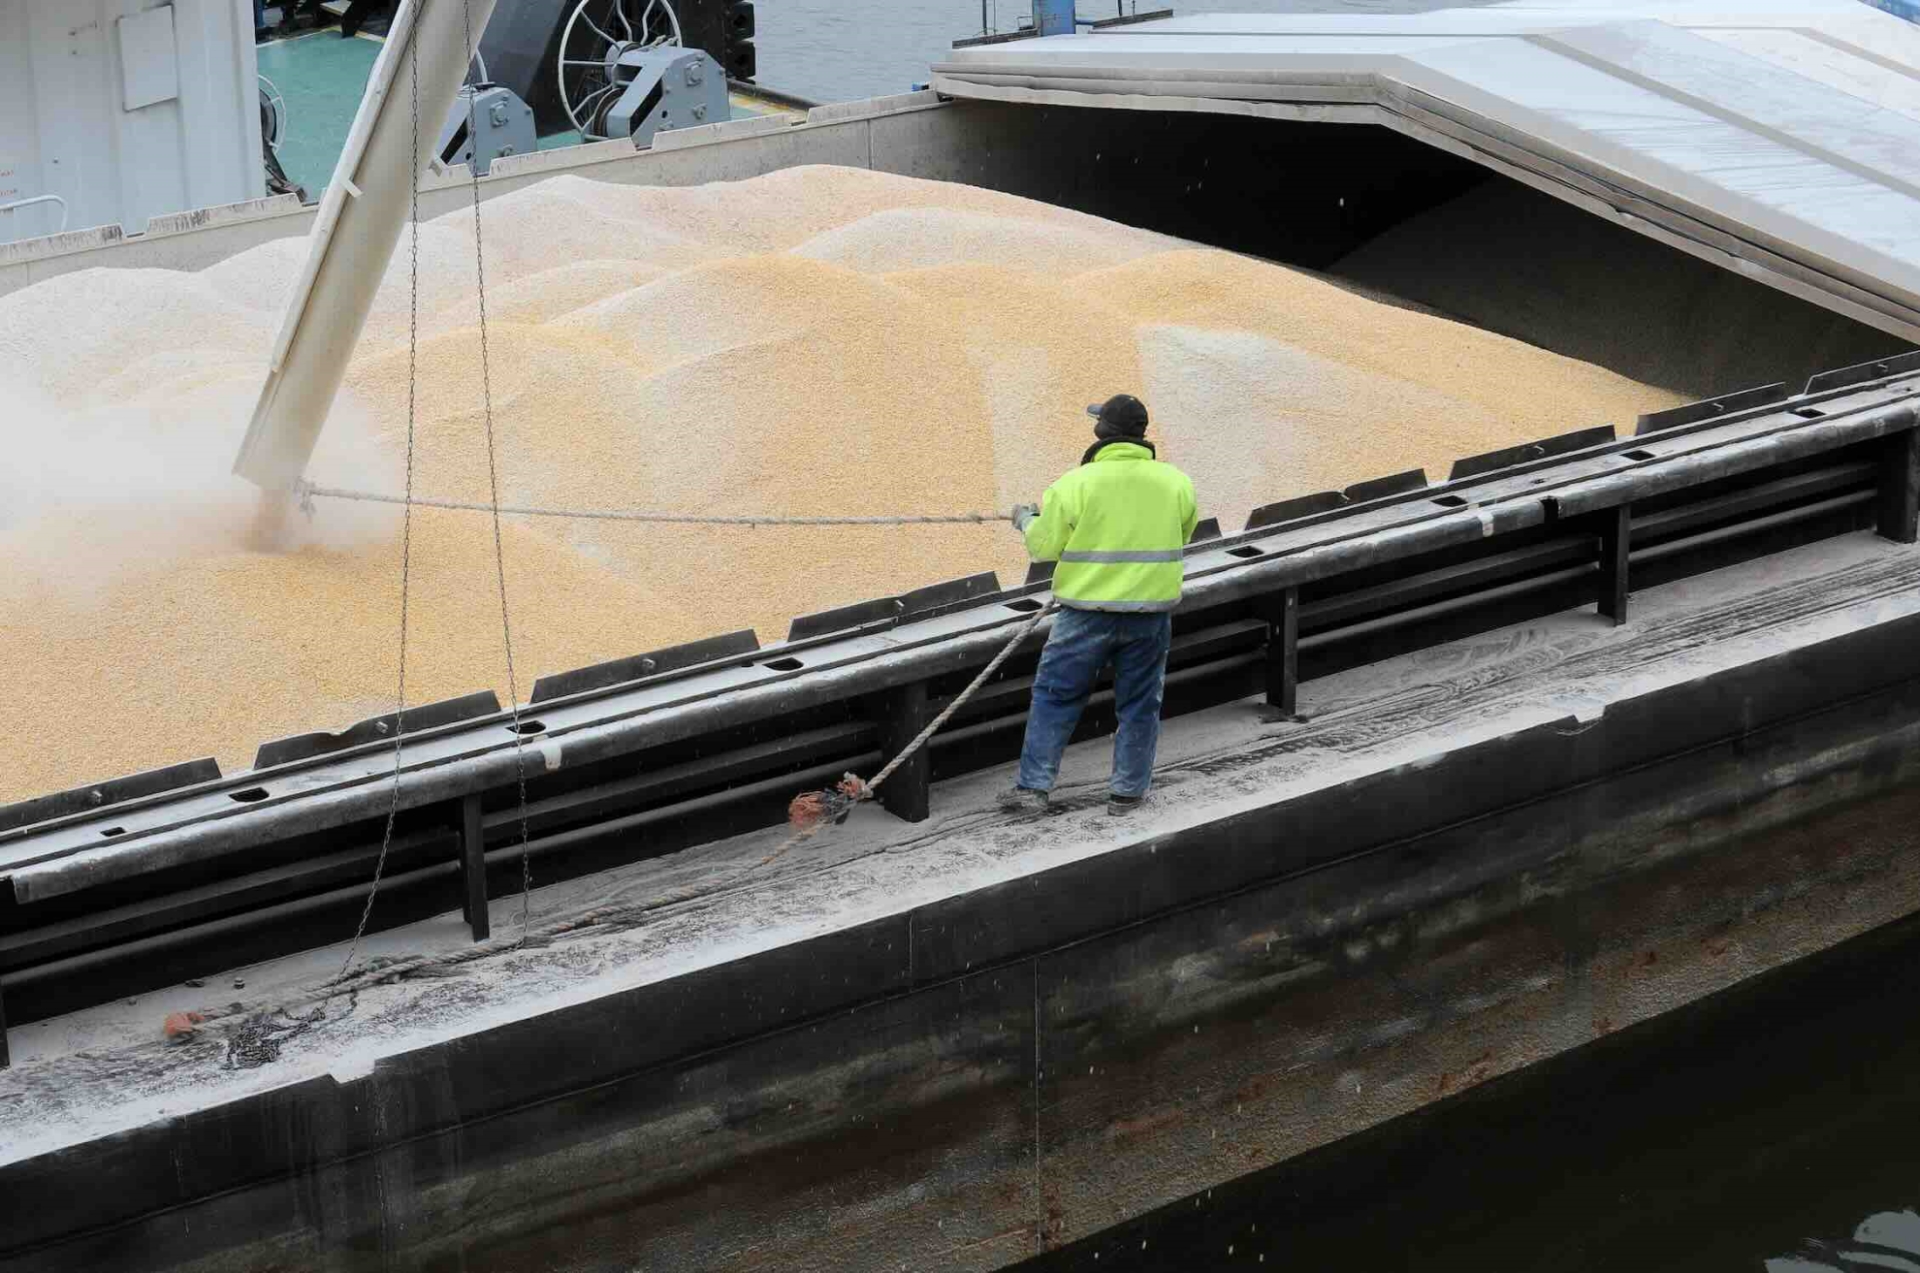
406,532
493,493
836,803
815,809
933,726
307,492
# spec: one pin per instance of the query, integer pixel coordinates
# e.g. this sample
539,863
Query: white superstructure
1776,138
124,110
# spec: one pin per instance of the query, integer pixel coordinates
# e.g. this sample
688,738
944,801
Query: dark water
835,49
1771,1129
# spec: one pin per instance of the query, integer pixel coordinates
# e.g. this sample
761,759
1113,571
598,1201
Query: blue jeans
1081,644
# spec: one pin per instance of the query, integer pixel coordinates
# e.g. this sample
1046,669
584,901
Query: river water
1772,1129
830,50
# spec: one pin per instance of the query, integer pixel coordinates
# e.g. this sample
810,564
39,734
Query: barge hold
1459,774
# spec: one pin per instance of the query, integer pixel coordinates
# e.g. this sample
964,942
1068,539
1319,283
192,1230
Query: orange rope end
808,809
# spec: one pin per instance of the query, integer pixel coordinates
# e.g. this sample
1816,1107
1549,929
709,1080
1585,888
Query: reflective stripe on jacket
1117,525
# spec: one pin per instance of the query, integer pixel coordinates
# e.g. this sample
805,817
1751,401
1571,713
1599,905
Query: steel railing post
1283,652
1616,526
901,714
1899,518
473,867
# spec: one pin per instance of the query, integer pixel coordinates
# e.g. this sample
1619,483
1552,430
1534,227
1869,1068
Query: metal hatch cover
1774,140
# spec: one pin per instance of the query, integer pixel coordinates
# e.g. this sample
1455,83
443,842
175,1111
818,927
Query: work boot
1023,800
1120,806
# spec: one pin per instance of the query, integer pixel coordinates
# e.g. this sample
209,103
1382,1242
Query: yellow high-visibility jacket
1117,525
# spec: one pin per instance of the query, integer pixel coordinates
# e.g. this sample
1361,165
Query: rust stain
1475,1074
1122,1128
1257,943
1022,1232
1054,1226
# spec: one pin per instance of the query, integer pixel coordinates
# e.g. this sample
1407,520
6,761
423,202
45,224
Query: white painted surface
149,67
1781,135
420,69
126,109
889,133
1837,68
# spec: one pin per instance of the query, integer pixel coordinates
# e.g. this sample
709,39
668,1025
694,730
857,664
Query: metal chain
406,531
493,492
307,492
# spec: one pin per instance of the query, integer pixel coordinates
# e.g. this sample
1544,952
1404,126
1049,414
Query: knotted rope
810,811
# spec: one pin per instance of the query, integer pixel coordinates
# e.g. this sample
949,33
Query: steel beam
1283,653
901,714
473,866
361,215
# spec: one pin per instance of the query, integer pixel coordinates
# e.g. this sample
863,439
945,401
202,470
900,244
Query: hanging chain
406,530
307,492
493,487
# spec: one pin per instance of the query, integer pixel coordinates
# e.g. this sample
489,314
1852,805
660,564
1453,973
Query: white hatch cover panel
1780,140
149,65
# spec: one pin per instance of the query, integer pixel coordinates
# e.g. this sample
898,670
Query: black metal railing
136,883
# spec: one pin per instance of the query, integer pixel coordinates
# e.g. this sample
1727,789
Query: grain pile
1514,260
818,340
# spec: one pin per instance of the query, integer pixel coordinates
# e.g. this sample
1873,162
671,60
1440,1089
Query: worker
1118,526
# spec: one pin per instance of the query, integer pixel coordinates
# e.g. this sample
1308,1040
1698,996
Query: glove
1023,515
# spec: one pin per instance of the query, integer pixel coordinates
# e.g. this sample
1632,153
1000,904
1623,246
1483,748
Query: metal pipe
359,225
1760,525
158,945
1778,447
1442,609
18,204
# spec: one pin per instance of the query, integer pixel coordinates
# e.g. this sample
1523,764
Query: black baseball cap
1122,415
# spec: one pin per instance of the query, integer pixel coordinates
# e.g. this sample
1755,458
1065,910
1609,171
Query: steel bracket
1899,518
473,868
1283,653
901,714
1616,532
